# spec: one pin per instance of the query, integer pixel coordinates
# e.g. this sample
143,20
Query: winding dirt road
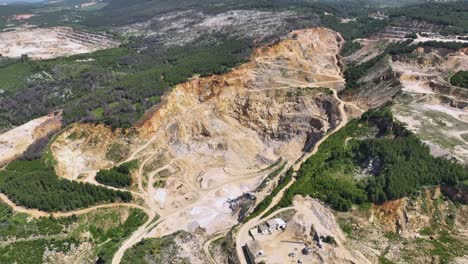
152,209
243,233
38,213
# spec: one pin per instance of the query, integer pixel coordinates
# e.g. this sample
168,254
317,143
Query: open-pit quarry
48,43
213,138
430,106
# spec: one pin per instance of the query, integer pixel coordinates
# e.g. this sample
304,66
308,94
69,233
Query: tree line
460,79
32,184
118,177
404,166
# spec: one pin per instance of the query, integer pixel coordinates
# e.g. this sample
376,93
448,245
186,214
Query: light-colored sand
310,213
16,141
46,43
430,106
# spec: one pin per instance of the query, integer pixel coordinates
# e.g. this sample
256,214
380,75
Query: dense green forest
407,165
460,79
121,84
363,26
34,185
454,15
394,163
118,177
116,88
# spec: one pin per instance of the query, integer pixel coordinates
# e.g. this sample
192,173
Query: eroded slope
17,141
429,105
210,138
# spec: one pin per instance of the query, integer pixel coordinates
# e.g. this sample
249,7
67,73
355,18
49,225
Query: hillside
225,131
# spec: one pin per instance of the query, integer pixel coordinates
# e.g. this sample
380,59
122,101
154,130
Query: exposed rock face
378,87
407,216
84,149
410,230
211,136
17,141
262,94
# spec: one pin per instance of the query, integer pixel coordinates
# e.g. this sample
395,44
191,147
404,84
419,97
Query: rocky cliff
211,137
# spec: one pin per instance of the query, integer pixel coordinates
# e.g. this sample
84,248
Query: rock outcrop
211,137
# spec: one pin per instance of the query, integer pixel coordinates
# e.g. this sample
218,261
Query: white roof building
276,223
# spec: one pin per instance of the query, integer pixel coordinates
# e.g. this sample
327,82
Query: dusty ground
16,141
47,43
431,107
82,150
311,216
210,140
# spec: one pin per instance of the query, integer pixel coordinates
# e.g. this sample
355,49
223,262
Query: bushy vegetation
116,235
460,79
105,228
118,177
405,166
13,75
31,252
355,71
34,185
156,250
363,26
117,87
21,226
454,15
350,47
272,175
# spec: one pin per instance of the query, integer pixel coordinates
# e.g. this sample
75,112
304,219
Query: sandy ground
437,116
310,215
47,43
211,211
206,172
16,141
243,237
439,126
